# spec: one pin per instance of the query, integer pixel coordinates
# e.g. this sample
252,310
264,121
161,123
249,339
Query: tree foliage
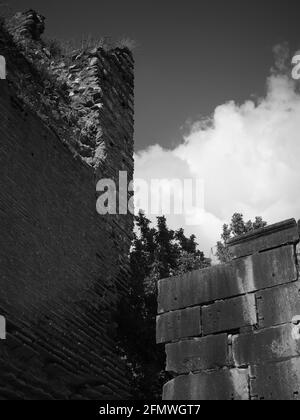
157,252
236,228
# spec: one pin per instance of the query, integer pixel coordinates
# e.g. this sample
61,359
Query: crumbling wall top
29,24
79,94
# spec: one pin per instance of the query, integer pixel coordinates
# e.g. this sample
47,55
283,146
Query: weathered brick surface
276,381
262,239
241,276
216,385
179,324
278,305
63,266
229,314
272,344
198,354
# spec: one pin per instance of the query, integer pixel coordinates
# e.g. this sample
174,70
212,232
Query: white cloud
248,157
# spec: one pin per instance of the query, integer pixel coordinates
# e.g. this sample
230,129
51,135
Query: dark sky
193,55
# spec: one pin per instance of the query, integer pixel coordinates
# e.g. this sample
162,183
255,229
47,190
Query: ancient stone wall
65,123
233,331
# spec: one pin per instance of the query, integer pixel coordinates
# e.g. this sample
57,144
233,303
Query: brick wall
231,331
63,267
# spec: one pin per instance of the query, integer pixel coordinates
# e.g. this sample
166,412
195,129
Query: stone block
236,278
197,287
198,354
230,314
278,305
271,268
263,239
179,324
216,385
269,345
276,381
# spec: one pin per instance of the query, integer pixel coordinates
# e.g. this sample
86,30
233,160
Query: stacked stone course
231,331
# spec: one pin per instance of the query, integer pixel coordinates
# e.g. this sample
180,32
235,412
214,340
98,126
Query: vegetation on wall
59,48
236,228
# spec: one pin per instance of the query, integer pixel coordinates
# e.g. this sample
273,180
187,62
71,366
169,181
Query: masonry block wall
232,332
64,124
